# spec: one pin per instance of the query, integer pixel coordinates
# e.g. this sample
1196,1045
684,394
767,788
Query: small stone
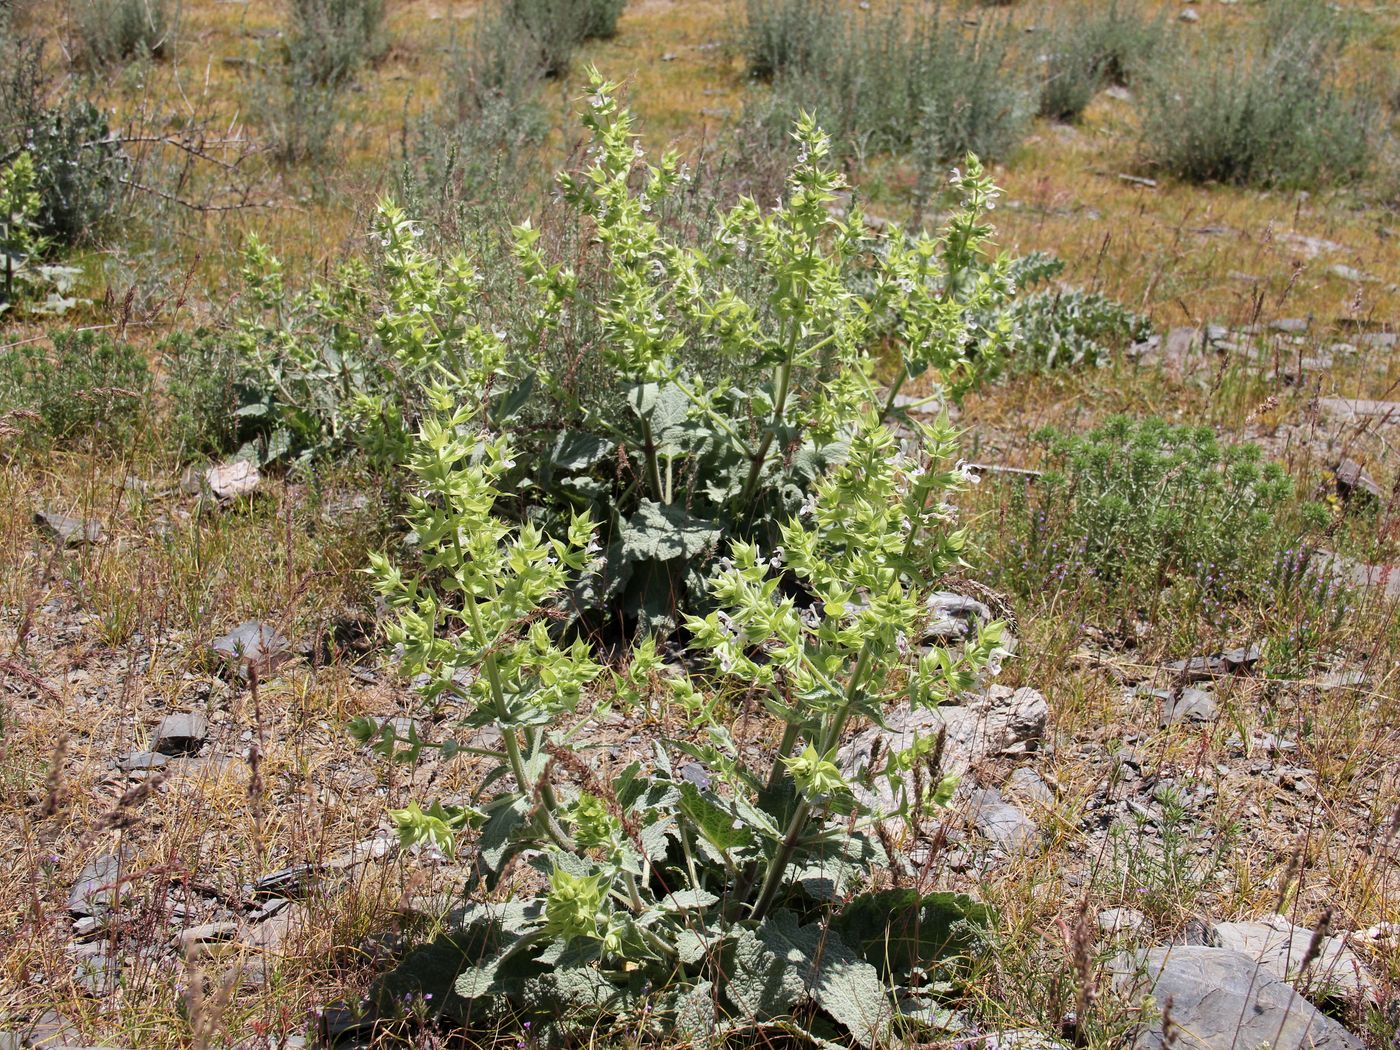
138,761
252,646
98,887
230,480
1189,15
1353,482
1290,325
1379,340
208,933
669,56
1002,823
1197,668
1349,273
1241,658
70,532
1121,921
1190,705
181,734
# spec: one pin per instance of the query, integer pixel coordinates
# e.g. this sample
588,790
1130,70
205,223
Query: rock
138,761
1002,823
1355,409
252,646
1117,922
1348,571
955,616
1350,273
1353,482
1190,705
181,734
197,938
1281,947
1189,15
1197,668
1222,1000
1245,656
99,885
1002,720
1379,340
69,532
230,480
1341,679
1290,325
1028,784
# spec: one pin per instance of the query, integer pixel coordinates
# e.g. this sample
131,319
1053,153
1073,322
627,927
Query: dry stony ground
232,891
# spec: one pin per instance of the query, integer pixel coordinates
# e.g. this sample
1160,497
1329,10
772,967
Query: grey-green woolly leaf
696,1013
764,985
688,900
694,946
575,450
568,989
844,985
664,406
499,840
477,982
661,532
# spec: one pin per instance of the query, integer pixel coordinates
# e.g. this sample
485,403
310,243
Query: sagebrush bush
111,31
84,386
78,160
552,30
1091,47
779,35
1136,508
896,80
328,41
1277,111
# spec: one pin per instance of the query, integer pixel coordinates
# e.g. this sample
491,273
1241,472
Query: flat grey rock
1353,481
1281,947
98,886
1290,325
1355,409
252,645
1000,721
1001,823
1027,784
70,532
1222,1000
1116,922
1189,705
181,734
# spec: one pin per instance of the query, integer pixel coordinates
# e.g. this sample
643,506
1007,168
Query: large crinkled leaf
764,986
688,900
664,406
660,532
843,984
574,450
499,840
839,868
697,1013
897,930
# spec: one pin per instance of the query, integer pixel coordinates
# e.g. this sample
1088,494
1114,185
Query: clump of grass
1272,112
778,35
894,80
113,31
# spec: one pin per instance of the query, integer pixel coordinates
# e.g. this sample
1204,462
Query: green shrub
694,895
683,393
112,31
899,81
1136,508
86,386
203,392
783,35
328,41
1274,112
476,142
551,30
1092,47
